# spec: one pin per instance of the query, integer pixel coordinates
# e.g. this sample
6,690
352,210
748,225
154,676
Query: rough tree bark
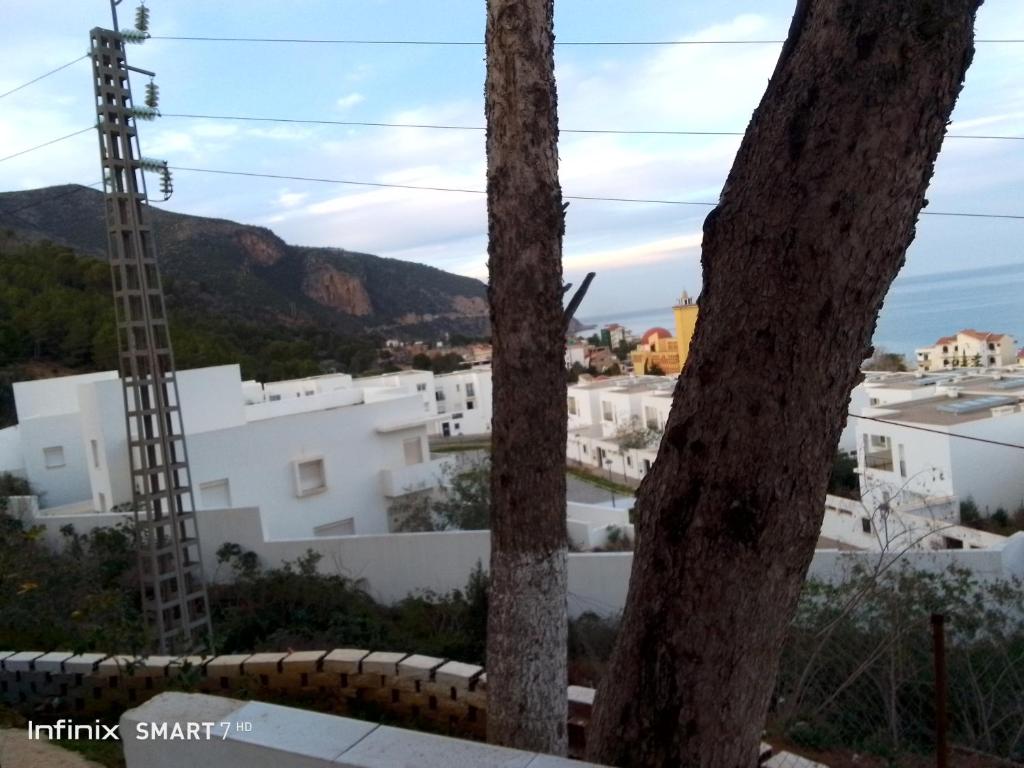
527,624
812,227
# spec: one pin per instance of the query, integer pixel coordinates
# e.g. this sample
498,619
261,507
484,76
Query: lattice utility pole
170,566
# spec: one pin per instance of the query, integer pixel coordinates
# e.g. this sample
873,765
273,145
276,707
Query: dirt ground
17,751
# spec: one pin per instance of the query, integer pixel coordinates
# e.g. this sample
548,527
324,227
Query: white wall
50,397
55,485
10,451
211,398
993,475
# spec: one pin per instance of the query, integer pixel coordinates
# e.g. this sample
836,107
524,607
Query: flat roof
945,411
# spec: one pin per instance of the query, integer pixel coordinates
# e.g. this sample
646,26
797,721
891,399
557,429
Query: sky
644,254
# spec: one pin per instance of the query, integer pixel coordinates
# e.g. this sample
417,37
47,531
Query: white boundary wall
395,565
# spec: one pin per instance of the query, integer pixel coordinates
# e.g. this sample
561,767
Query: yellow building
656,347
686,323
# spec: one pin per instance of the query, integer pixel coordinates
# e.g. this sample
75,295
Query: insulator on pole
142,18
166,183
152,94
133,36
142,113
151,165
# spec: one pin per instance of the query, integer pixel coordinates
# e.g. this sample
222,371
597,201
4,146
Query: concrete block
113,666
226,666
344,660
547,761
297,732
303,661
388,747
83,663
789,760
4,655
21,662
418,667
153,666
581,701
263,663
455,674
179,708
382,663
52,662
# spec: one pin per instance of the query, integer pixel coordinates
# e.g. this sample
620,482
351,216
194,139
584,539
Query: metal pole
939,649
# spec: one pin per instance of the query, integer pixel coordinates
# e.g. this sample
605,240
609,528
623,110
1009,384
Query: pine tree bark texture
812,227
527,634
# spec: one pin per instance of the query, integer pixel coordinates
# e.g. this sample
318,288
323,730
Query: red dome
660,332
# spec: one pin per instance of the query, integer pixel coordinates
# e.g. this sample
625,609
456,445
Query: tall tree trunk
812,227
527,625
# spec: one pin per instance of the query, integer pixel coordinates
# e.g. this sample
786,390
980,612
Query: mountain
237,272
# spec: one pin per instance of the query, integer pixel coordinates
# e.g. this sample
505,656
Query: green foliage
622,350
57,308
612,370
635,435
844,480
655,370
294,606
421,362
446,363
81,597
969,511
883,360
461,502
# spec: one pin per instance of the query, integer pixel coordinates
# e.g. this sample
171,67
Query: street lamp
608,465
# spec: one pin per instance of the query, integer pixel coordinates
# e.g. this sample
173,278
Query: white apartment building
946,444
968,348
463,402
317,456
601,409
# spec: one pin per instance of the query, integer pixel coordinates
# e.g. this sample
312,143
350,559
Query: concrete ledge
257,735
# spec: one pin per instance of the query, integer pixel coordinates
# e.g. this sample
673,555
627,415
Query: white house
463,402
958,442
968,348
317,456
601,411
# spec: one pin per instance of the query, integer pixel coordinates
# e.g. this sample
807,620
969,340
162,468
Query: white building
317,456
966,349
602,410
463,403
957,442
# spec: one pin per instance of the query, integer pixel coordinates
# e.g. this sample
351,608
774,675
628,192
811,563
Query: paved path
17,751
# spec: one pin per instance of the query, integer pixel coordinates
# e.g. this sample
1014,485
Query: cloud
287,199
349,101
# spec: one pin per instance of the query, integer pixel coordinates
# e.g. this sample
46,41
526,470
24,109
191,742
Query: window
95,453
421,387
991,360
607,411
572,406
645,465
470,405
439,396
873,401
274,398
629,461
215,494
991,347
952,543
103,502
310,392
903,461
865,525
53,457
310,477
413,450
651,417
470,392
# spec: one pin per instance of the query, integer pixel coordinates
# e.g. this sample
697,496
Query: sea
918,310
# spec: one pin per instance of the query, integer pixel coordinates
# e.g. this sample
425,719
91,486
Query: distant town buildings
658,350
968,349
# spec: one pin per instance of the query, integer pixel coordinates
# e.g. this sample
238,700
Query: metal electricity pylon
174,598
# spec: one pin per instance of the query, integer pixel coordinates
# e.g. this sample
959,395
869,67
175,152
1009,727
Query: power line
441,126
459,43
939,432
424,188
47,143
37,79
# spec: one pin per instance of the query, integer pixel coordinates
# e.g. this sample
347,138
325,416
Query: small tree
635,435
462,503
421,362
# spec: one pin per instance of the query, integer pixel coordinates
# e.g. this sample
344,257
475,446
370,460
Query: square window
421,387
865,525
310,477
53,457
413,450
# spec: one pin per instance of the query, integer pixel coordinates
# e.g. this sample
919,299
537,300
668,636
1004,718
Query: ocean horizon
918,310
